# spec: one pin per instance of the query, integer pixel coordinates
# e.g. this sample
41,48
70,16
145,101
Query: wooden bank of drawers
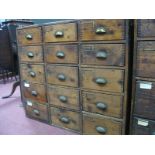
79,70
143,107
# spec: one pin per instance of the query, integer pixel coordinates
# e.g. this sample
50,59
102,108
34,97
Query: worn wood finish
64,97
92,121
67,54
66,119
109,105
103,54
112,29
143,126
113,79
34,92
30,35
33,73
31,54
146,59
62,75
60,32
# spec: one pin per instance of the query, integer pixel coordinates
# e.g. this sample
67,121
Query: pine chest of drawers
74,74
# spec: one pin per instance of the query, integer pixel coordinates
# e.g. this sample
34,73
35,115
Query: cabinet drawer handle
101,130
59,34
100,30
101,55
33,74
63,98
30,54
64,119
34,93
60,54
29,37
61,77
101,106
36,112
101,81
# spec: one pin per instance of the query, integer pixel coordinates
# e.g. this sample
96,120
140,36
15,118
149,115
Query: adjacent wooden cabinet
74,74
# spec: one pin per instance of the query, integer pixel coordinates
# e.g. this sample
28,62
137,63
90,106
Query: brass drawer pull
61,77
64,119
101,130
59,34
60,54
101,81
101,55
100,30
101,105
34,93
33,74
30,54
29,37
63,98
36,112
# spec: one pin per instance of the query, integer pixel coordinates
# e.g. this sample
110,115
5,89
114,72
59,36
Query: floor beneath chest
13,120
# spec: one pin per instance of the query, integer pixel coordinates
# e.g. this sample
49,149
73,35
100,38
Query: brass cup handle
101,106
64,119
33,74
101,81
59,34
30,54
61,77
34,93
63,98
101,130
100,30
101,55
36,112
60,54
29,37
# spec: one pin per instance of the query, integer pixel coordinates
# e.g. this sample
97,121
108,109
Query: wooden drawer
144,101
146,27
96,124
60,32
143,126
66,119
61,54
103,54
102,79
29,36
32,73
36,110
31,54
110,105
146,59
64,97
35,92
102,29
62,75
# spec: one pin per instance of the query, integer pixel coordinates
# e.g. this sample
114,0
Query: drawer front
64,97
146,59
110,105
61,54
102,30
62,75
143,126
66,119
144,101
103,54
60,32
35,92
29,36
102,79
146,28
31,54
32,73
97,125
